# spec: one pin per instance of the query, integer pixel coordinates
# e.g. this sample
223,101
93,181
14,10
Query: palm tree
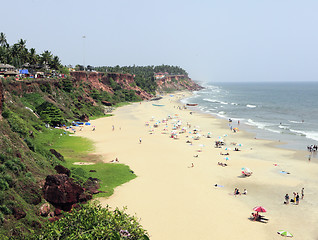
55,62
46,57
3,40
33,57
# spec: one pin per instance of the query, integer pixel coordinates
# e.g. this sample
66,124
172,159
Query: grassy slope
78,149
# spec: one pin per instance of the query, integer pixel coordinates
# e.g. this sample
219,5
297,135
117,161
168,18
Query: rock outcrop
62,170
1,99
62,192
177,82
102,81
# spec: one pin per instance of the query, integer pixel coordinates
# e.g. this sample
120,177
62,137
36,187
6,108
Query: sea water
284,111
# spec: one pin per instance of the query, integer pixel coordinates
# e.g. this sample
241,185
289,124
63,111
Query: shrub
94,222
5,210
3,184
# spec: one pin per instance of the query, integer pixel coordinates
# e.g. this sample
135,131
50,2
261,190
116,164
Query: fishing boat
192,104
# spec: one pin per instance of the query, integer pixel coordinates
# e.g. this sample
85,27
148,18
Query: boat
155,98
192,104
158,105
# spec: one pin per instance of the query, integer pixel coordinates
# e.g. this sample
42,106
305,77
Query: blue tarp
80,123
87,123
24,71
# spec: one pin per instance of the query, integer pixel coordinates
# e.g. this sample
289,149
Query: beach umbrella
259,209
285,233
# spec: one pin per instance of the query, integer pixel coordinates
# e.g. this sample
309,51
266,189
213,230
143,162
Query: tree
3,40
50,114
33,58
46,57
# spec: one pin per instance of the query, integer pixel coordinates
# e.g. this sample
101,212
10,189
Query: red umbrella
259,209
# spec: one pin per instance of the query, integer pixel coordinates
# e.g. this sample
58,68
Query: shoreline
175,201
248,129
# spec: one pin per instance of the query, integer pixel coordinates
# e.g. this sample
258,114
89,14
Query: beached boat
155,98
192,104
158,105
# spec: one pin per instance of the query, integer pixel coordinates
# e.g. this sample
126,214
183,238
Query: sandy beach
177,201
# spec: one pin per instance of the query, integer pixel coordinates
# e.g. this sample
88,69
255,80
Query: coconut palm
46,57
3,40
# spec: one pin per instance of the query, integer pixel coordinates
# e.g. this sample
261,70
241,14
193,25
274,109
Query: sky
213,40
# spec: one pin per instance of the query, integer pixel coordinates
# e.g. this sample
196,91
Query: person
297,199
192,165
237,191
113,127
245,192
302,193
139,140
286,198
294,197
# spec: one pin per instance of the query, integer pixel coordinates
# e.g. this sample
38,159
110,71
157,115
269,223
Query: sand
176,201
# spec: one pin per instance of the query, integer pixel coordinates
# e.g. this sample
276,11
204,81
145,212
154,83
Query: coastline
175,201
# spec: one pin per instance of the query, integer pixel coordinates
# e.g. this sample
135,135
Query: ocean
283,111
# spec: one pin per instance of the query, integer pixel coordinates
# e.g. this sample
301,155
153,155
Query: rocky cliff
1,99
101,81
177,82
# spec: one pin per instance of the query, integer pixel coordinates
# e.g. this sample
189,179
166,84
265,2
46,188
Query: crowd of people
312,148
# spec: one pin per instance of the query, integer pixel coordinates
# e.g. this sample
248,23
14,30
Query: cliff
177,82
1,99
102,81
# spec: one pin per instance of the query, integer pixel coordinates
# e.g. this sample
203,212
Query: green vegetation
94,222
18,54
144,75
77,149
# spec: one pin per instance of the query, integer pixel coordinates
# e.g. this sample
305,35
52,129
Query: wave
294,121
250,106
284,127
308,134
214,101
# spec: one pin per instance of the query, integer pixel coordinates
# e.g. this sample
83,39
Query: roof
2,65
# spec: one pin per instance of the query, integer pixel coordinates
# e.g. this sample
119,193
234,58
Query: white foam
294,121
250,106
308,134
283,127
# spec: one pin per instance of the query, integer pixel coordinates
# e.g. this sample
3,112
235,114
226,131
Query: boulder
62,170
57,154
92,185
61,191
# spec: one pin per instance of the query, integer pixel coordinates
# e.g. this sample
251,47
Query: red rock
61,191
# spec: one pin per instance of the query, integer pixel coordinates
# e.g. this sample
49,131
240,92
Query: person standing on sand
297,199
302,193
287,198
139,140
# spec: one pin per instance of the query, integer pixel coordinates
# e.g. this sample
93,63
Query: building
7,70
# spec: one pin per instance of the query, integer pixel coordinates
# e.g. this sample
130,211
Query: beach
174,194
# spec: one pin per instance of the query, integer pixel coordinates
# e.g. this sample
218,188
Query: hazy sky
214,40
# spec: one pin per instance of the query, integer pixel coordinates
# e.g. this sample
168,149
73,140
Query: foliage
94,222
50,114
18,55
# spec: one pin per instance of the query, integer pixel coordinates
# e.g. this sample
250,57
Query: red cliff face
1,99
177,82
101,81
